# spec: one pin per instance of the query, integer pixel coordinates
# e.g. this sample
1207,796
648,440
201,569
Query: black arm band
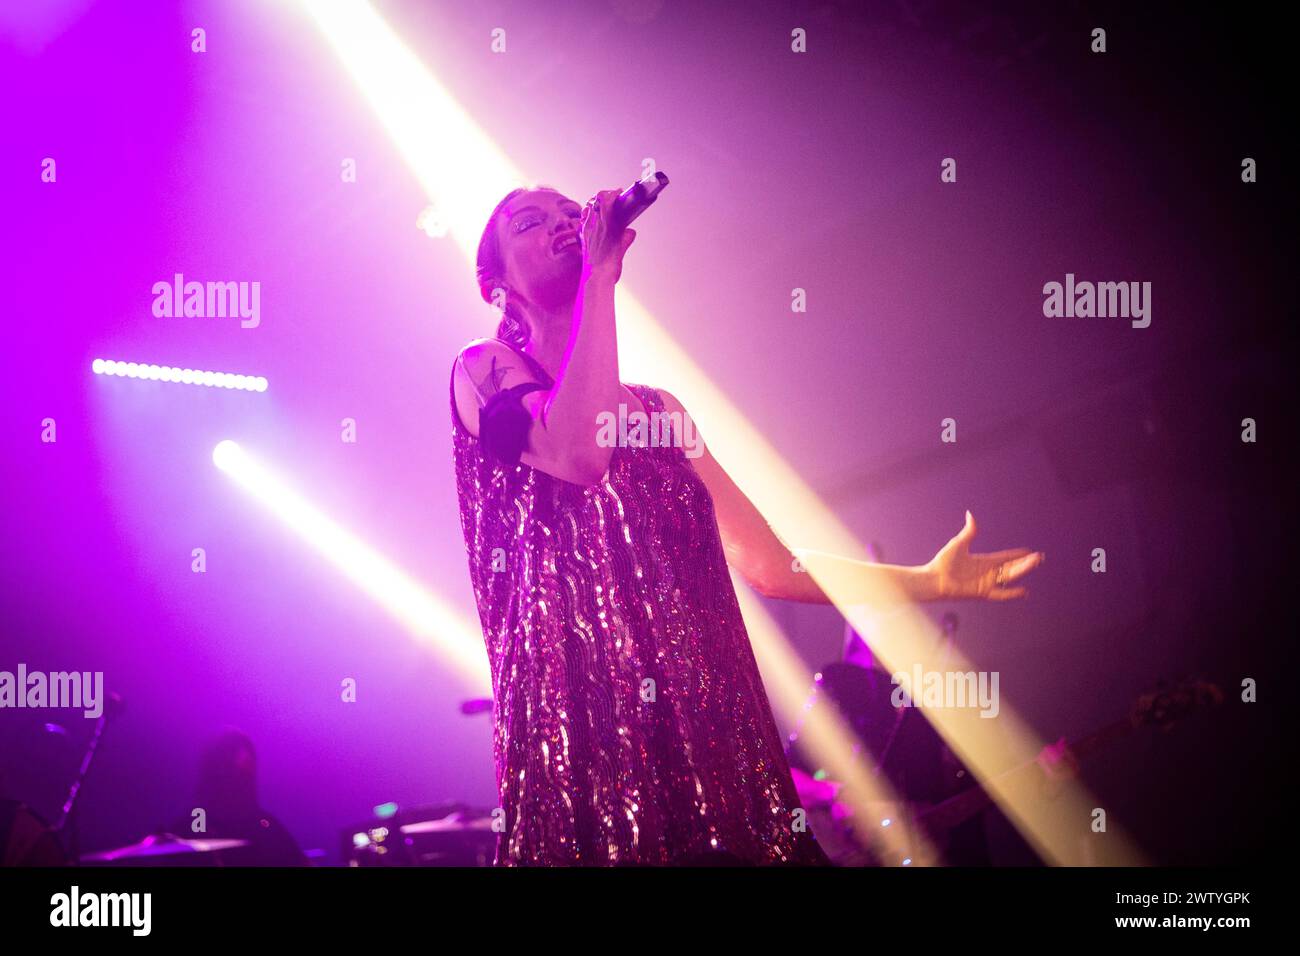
503,423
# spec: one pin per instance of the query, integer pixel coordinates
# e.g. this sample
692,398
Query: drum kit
449,835
454,835
164,850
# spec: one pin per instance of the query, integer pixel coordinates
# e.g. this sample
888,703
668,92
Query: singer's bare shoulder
483,368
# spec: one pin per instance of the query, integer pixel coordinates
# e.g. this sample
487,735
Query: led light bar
184,376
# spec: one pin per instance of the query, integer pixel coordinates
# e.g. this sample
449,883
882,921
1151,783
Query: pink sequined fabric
631,725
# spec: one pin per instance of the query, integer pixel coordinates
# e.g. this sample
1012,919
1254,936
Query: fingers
605,200
1022,566
968,530
962,537
1007,594
1008,555
594,232
601,205
596,216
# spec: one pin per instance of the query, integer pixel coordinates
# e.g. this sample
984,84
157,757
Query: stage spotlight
456,640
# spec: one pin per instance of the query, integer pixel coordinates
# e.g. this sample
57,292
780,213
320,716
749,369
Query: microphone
635,200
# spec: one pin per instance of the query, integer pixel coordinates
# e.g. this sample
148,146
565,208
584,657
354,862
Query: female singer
631,725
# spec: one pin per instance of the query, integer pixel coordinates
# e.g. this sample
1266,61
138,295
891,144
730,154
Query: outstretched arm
770,568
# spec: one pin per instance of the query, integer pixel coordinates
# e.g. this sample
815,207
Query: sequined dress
630,722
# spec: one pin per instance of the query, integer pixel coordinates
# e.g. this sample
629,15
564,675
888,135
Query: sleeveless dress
630,722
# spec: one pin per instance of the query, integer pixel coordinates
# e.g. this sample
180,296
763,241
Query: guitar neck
957,810
1089,744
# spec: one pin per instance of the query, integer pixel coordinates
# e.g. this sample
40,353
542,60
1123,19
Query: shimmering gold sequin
631,725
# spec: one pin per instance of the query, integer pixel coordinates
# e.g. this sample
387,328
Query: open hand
960,574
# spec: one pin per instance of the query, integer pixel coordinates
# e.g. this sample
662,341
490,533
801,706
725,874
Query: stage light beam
455,639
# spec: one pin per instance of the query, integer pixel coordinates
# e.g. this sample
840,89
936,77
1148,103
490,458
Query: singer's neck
550,331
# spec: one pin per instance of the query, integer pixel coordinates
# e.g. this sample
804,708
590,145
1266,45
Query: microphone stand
67,820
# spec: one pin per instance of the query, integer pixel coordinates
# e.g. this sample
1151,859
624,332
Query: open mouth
569,241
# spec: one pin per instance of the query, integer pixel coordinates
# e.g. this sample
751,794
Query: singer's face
538,236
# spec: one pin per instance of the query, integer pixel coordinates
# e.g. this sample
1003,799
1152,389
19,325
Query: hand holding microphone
604,230
603,244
